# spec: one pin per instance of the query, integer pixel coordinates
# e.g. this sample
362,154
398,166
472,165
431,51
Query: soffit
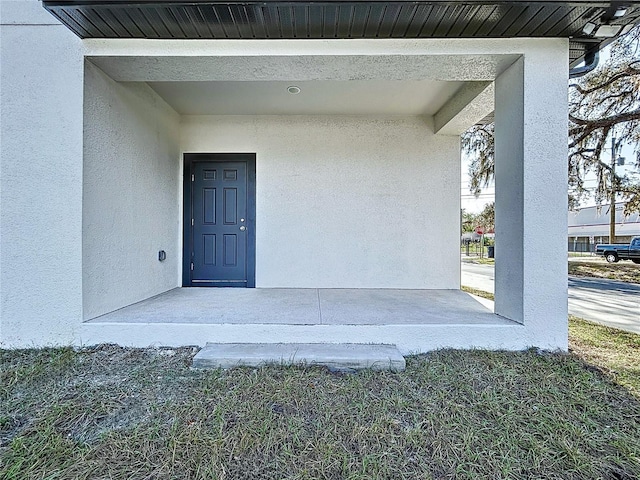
276,19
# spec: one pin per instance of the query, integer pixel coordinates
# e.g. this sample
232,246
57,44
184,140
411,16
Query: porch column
531,193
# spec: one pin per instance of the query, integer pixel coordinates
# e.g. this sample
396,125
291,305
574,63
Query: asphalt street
608,302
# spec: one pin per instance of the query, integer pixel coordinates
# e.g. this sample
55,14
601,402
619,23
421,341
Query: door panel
219,237
209,206
230,250
231,206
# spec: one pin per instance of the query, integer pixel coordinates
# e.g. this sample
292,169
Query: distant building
590,225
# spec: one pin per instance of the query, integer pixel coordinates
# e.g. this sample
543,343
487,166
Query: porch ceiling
336,19
442,87
358,97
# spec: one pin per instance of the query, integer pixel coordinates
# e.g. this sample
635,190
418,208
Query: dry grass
109,412
478,293
614,351
621,271
588,267
479,260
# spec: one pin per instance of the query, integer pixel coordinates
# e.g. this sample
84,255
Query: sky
475,205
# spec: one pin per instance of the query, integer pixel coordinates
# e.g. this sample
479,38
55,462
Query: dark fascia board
324,19
577,3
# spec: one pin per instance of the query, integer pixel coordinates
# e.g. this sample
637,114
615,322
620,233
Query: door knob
243,228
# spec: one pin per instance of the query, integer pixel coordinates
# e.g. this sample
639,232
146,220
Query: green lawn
131,414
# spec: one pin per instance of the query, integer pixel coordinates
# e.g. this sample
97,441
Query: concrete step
335,356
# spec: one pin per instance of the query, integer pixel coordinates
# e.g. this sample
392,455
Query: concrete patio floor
217,306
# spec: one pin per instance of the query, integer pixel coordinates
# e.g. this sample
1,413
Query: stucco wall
41,178
531,191
130,197
325,184
346,202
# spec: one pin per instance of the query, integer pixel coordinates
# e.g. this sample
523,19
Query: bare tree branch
613,120
630,70
603,102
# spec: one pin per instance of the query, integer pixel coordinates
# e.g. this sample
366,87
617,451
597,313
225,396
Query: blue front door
220,239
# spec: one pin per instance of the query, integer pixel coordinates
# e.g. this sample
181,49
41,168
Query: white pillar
41,179
531,193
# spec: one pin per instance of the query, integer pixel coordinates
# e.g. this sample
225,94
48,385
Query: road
607,302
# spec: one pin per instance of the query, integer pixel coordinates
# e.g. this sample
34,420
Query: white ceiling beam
472,103
475,67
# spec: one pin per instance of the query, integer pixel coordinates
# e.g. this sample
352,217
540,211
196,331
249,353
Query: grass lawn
109,412
623,271
591,267
478,260
615,352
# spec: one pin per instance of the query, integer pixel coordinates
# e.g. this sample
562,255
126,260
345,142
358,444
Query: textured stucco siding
130,197
91,173
346,202
41,180
531,193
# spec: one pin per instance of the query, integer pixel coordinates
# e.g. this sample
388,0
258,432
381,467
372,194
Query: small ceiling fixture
608,31
293,90
620,12
588,28
604,31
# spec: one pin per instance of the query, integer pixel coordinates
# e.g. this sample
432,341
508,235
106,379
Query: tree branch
602,122
629,71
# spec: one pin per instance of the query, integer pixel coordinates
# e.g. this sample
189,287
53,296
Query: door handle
243,228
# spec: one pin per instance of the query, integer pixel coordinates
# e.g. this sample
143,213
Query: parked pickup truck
616,252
